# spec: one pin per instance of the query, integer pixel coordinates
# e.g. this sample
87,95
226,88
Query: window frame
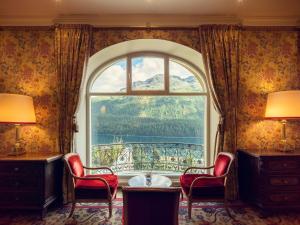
199,75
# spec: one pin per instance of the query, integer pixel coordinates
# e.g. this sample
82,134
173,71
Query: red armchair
90,188
206,187
150,206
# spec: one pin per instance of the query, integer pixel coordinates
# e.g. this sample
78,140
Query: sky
113,78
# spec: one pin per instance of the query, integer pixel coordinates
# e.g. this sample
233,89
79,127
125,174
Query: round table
155,181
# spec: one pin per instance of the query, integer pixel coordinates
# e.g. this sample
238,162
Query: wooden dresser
30,181
270,180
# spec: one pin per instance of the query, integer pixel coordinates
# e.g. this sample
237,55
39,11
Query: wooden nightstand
270,180
31,181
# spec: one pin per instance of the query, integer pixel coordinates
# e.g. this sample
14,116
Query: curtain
219,45
72,50
298,58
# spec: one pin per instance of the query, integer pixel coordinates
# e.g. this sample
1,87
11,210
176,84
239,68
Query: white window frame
166,92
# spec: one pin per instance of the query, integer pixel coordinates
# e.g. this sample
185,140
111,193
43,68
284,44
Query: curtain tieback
75,127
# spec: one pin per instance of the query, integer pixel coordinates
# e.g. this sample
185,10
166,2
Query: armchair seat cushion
202,187
95,189
111,179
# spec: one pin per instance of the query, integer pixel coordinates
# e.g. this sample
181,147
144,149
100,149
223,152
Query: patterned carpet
208,214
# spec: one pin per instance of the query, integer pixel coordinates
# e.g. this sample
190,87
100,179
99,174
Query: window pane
182,79
147,118
162,137
112,79
147,73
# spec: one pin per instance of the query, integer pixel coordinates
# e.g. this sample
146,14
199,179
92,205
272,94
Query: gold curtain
219,45
298,45
72,50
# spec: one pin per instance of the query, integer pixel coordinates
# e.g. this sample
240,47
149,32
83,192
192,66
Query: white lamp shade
283,105
16,109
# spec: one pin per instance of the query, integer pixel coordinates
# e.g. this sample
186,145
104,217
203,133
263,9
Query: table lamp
283,105
18,110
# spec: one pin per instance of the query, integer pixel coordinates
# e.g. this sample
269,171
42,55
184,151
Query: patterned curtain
72,50
219,45
298,43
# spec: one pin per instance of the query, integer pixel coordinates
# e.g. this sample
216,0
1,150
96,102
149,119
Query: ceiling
149,12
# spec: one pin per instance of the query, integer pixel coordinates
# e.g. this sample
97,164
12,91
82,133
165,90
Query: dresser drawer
283,198
21,168
282,166
20,182
284,181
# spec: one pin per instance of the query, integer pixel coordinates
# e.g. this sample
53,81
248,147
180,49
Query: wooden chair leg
189,209
110,209
227,209
72,209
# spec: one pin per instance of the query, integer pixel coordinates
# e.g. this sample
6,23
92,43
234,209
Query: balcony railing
167,157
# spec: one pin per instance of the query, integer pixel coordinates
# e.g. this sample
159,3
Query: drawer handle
16,169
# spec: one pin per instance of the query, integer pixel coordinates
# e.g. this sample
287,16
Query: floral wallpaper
27,66
269,62
108,36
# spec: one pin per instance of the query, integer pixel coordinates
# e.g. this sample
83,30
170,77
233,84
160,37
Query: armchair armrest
99,168
94,178
199,168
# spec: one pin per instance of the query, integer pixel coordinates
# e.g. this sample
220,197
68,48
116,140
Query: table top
47,157
154,181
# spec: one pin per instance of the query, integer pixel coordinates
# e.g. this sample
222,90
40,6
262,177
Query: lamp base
285,147
17,151
285,150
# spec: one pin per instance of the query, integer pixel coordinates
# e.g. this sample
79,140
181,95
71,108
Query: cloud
177,69
113,79
146,67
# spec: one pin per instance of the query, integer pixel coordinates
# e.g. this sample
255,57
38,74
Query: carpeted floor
201,215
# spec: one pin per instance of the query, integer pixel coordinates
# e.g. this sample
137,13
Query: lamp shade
283,105
16,109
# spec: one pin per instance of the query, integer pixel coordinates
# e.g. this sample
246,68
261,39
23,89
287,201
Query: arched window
147,111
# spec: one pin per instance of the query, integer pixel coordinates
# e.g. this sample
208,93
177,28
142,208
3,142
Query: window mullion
167,74
129,75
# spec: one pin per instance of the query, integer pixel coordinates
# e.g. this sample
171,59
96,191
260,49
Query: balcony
130,158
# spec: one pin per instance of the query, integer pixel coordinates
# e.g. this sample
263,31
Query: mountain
178,84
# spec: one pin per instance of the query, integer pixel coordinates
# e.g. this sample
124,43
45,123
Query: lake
109,138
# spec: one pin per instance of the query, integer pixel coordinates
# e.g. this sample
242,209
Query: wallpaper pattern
27,66
103,38
268,63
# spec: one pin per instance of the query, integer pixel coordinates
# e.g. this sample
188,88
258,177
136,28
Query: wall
268,63
27,66
105,37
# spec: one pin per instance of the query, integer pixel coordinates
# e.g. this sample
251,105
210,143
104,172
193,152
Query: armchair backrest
223,163
74,164
150,206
